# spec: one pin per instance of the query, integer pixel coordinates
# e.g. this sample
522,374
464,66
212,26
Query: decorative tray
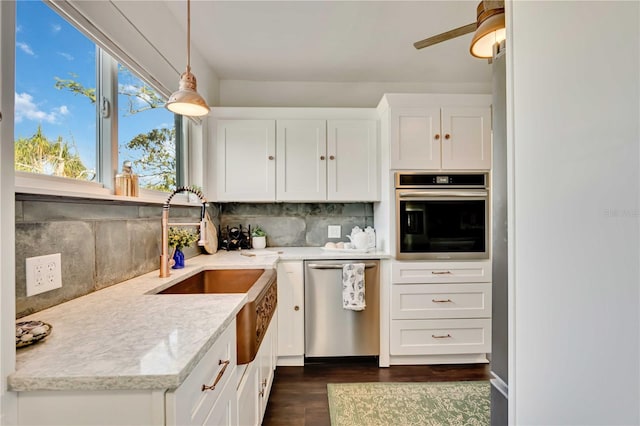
344,250
30,332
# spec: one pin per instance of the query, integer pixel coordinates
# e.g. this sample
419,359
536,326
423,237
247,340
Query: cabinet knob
322,157
437,136
331,157
447,136
296,308
271,157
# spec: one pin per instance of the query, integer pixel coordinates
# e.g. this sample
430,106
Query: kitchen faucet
164,256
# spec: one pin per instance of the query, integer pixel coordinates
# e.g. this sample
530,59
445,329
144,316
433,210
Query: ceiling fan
489,28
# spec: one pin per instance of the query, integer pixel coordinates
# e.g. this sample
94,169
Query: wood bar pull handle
225,364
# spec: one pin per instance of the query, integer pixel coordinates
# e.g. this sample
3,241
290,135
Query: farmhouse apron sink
254,317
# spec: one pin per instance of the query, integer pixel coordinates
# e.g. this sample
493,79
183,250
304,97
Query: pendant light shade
187,101
491,30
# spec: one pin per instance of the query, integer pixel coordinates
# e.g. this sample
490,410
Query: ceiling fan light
186,100
489,32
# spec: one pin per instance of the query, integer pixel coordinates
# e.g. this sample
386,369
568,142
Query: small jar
127,181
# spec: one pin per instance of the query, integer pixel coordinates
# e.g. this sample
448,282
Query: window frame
107,163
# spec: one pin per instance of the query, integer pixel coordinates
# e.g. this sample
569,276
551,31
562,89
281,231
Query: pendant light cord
188,36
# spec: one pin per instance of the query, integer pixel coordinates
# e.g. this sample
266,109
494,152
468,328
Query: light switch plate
43,273
335,231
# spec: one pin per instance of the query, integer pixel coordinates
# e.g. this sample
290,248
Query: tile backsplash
297,224
104,242
101,244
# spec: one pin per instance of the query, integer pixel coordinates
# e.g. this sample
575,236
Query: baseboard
438,359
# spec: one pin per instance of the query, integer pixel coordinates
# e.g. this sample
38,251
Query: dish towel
353,286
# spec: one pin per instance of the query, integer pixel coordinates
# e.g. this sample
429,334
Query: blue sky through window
47,47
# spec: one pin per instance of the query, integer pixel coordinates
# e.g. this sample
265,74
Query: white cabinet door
302,164
225,411
265,373
466,138
245,165
290,308
249,397
415,138
352,167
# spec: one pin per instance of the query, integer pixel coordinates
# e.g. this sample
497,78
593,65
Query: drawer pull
441,272
442,300
296,308
446,336
225,364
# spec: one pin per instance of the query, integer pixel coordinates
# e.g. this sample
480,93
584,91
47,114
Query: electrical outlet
44,273
335,231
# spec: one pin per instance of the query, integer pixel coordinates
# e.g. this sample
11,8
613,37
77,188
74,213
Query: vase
178,257
259,242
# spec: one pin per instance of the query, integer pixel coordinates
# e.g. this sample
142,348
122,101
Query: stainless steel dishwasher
329,329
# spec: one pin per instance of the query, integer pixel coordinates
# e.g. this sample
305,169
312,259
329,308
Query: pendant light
187,101
491,30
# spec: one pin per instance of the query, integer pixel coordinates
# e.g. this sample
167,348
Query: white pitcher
360,240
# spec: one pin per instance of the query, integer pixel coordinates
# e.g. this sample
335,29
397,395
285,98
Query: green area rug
403,404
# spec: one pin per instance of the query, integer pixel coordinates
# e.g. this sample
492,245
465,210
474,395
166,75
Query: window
58,102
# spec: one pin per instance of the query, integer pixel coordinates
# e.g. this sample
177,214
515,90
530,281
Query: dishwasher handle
333,266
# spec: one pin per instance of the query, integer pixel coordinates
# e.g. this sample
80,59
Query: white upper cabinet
416,138
466,138
245,160
352,167
438,132
301,165
297,160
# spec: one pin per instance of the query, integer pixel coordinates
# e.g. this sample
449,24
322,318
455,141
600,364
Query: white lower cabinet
255,380
440,312
290,344
193,401
187,405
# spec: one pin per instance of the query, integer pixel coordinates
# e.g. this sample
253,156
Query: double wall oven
442,216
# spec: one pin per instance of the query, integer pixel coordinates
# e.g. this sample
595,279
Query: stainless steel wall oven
442,215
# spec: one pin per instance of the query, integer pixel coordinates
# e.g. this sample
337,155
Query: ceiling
333,41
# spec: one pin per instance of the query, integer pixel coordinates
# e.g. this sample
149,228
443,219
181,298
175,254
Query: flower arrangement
182,237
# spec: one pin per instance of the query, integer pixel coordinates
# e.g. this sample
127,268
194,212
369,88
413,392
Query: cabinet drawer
441,272
189,404
440,337
425,301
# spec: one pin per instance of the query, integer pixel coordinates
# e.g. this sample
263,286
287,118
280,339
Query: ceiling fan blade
457,32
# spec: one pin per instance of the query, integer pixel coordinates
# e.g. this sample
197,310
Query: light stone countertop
127,337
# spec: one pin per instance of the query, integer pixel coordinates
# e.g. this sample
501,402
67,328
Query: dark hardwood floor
299,394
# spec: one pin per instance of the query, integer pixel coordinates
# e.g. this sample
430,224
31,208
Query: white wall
573,111
326,94
8,406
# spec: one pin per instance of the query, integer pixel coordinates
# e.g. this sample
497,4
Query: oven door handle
424,194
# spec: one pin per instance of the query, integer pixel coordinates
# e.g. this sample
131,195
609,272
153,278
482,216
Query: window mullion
107,116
